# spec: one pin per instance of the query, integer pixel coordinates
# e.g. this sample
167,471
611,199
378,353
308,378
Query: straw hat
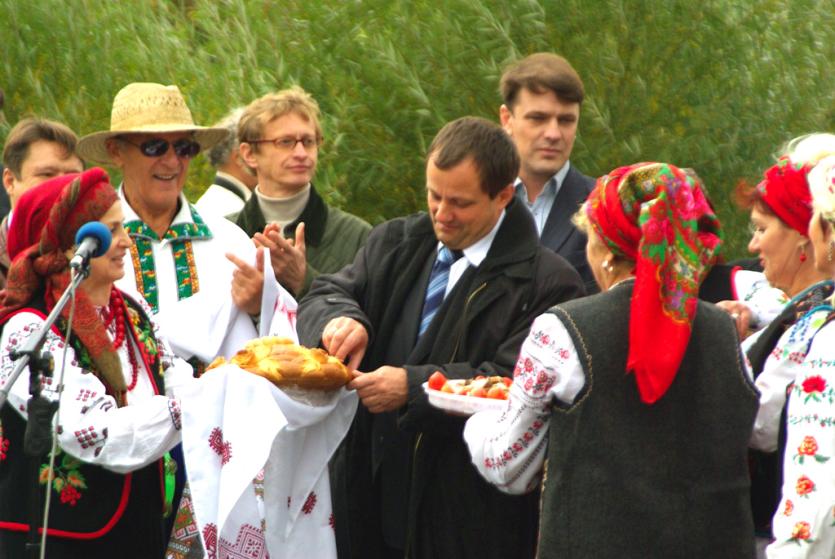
147,108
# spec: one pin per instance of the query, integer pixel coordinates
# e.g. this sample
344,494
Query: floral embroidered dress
804,526
784,361
92,429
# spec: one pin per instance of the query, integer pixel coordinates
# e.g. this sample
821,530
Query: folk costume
804,522
644,432
403,479
115,423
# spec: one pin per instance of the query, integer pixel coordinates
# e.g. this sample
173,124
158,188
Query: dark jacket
627,479
414,462
332,237
560,234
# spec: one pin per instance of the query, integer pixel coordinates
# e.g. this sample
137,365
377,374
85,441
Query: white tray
461,405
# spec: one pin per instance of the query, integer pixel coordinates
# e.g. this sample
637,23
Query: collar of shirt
541,207
241,187
473,255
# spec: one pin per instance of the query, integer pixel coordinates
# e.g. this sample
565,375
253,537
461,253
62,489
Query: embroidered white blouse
508,447
89,424
804,525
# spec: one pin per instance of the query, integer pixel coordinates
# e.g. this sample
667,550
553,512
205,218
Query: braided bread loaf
285,363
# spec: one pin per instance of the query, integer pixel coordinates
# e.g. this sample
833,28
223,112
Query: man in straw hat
182,263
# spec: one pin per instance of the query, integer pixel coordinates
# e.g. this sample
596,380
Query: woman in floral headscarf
804,524
636,396
114,422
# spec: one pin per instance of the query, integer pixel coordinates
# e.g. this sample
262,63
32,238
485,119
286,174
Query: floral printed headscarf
657,215
43,228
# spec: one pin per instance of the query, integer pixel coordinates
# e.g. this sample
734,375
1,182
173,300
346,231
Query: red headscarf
43,228
657,215
785,190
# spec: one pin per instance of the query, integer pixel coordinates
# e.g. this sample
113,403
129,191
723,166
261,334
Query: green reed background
714,85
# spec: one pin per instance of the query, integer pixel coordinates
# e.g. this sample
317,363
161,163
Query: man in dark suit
454,290
542,96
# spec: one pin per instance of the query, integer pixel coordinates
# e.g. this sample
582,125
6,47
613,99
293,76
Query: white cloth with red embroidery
804,525
508,447
257,465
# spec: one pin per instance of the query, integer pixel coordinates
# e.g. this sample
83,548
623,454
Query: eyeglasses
157,147
288,143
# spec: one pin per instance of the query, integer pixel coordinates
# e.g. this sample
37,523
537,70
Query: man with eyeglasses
280,136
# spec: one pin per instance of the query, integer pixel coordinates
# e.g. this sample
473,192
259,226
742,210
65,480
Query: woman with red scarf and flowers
637,397
115,423
804,523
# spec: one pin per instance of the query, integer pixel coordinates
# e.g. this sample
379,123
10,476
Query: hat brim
93,147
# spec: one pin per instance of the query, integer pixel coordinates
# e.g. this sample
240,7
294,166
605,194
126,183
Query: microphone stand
38,438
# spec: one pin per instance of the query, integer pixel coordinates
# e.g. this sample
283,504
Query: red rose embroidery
814,384
332,522
804,486
801,531
4,447
528,365
789,508
809,447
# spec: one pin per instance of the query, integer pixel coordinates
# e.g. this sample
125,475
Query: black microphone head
98,231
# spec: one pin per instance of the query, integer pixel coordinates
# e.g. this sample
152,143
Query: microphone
93,240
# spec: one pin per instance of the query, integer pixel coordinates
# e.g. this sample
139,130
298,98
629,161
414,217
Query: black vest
106,504
629,480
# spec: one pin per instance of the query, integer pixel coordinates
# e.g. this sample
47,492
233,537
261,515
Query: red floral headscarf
43,228
784,189
657,215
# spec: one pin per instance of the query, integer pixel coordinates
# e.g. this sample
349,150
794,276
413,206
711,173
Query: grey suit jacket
559,233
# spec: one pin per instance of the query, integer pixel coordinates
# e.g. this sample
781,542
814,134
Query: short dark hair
31,130
539,73
490,147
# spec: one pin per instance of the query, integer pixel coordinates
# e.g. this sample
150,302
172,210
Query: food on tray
288,364
495,387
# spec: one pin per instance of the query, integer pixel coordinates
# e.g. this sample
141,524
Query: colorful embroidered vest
626,479
88,501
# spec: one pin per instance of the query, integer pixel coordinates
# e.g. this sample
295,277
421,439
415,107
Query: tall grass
712,85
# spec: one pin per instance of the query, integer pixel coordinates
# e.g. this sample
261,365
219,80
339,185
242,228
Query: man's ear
114,151
8,181
248,156
505,116
505,195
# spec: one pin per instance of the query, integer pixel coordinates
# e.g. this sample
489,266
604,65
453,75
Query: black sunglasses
157,147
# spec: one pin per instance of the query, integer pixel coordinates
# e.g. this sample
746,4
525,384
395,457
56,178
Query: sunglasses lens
186,148
154,148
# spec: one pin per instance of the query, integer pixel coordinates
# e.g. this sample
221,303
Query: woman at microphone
115,422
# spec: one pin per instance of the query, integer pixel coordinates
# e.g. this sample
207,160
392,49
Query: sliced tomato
498,392
437,380
479,393
507,381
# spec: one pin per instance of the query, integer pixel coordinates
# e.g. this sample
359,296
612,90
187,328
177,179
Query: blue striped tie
437,286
